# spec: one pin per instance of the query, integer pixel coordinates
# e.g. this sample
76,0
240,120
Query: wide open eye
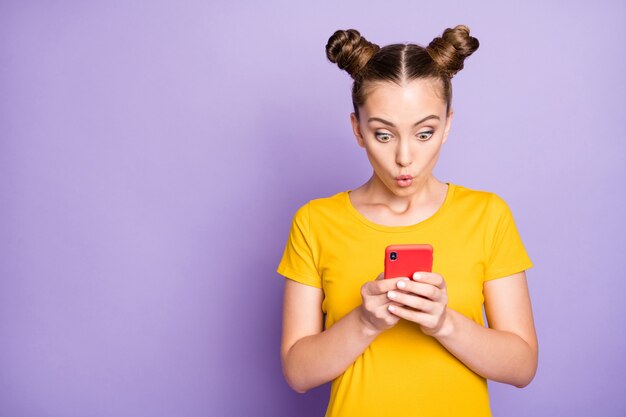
382,136
424,136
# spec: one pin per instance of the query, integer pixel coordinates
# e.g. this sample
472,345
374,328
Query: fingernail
391,295
417,276
392,308
401,284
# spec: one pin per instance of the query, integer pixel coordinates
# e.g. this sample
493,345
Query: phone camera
393,256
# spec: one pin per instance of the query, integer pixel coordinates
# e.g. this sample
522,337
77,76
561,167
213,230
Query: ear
448,126
356,130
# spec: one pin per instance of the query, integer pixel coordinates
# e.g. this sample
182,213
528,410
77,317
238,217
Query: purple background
152,155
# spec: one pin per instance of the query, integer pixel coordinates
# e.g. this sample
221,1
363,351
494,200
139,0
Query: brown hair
367,62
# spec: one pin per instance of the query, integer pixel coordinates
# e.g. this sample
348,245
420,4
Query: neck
423,191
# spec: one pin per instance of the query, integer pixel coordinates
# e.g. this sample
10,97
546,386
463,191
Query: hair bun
350,51
450,50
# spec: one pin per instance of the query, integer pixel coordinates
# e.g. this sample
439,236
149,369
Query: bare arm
310,356
506,352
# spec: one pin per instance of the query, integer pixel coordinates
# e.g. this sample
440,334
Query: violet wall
152,154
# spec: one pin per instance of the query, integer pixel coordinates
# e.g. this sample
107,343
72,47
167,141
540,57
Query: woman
405,347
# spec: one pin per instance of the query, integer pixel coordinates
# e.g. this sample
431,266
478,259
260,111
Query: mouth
404,180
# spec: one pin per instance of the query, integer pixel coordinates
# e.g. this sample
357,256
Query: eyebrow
388,123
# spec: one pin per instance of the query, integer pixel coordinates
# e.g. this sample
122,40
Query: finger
382,315
413,301
382,286
373,302
422,289
421,318
384,309
430,278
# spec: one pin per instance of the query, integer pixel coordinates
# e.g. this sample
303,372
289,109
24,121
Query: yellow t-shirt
405,372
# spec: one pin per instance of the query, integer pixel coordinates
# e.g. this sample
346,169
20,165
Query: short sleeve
298,261
506,254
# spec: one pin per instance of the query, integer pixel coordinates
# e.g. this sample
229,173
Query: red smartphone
404,260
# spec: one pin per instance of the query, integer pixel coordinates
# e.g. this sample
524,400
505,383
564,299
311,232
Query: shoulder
480,204
477,198
332,202
322,206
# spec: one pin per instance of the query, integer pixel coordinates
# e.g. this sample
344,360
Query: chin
402,191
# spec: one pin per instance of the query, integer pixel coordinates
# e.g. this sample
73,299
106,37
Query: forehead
416,97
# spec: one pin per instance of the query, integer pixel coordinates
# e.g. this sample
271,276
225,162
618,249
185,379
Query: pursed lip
404,177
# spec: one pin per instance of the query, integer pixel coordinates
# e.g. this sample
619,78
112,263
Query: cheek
373,157
426,154
432,152
380,155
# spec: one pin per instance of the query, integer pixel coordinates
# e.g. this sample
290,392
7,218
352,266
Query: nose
403,153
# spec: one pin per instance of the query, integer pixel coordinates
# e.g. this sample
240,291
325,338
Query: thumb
380,276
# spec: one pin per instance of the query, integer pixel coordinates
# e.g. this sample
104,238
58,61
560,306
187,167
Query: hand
374,309
423,301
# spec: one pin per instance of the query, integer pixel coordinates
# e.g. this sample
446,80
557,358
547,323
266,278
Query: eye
424,136
382,136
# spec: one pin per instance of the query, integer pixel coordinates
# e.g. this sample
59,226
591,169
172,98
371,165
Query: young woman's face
402,129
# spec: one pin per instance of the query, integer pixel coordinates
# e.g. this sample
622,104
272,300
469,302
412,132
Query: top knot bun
450,50
350,51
